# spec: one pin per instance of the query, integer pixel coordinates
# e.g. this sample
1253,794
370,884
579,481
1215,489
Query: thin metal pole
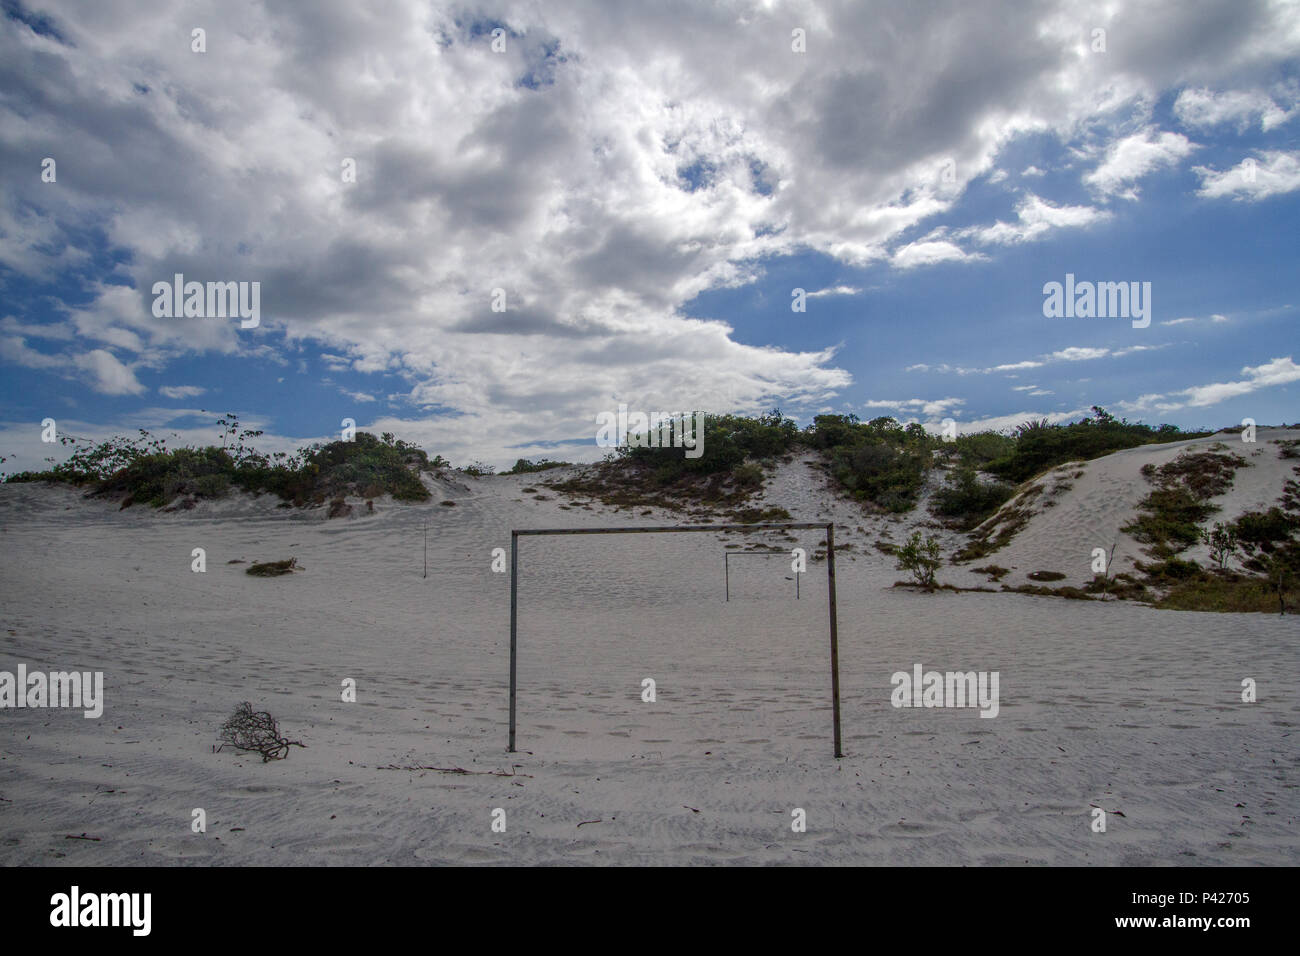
835,638
726,560
426,549
514,627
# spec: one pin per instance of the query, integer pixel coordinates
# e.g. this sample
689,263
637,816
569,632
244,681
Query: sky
481,225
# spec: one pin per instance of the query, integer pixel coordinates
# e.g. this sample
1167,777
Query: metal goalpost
517,533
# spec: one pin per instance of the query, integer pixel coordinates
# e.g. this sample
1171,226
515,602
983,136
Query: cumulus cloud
1002,423
1275,173
1278,371
613,163
107,374
1203,108
1134,157
916,254
1035,217
98,369
932,408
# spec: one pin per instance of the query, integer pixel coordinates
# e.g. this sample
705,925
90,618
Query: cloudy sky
643,187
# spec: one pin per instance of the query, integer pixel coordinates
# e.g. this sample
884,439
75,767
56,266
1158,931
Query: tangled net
256,731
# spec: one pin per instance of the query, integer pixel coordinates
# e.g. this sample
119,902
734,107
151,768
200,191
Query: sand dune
1102,704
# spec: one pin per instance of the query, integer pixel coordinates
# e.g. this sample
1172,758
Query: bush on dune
966,501
1040,445
144,470
880,461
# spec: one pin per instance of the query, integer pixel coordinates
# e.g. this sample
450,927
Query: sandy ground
1108,704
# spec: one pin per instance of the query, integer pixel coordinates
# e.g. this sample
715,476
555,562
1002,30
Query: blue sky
643,189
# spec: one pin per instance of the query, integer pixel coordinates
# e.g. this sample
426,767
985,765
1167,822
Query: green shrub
920,558
1169,518
524,467
144,470
968,501
1040,445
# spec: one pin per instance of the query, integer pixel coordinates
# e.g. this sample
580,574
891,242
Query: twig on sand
258,732
69,836
585,822
493,773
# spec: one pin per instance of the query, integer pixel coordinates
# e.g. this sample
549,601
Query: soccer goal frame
829,527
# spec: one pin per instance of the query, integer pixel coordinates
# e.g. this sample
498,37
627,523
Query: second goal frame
517,533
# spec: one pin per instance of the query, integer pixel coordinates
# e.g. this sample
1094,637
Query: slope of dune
1108,705
1083,505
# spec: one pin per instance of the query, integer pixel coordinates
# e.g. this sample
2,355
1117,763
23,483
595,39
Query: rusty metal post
514,627
835,636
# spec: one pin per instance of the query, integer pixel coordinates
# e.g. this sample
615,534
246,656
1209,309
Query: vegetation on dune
144,470
1169,518
728,470
524,467
1264,542
920,557
881,463
1040,446
966,501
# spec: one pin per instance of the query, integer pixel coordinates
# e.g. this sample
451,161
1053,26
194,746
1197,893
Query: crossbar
517,533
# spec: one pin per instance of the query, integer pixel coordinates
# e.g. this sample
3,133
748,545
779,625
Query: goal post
829,527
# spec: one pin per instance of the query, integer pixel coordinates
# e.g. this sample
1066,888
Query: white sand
1121,706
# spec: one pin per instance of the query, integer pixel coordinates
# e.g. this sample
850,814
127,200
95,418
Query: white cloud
181,391
1035,217
1079,354
933,408
1012,367
1138,348
917,254
1278,371
1133,157
1203,108
835,290
1000,423
108,375
1276,173
97,368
